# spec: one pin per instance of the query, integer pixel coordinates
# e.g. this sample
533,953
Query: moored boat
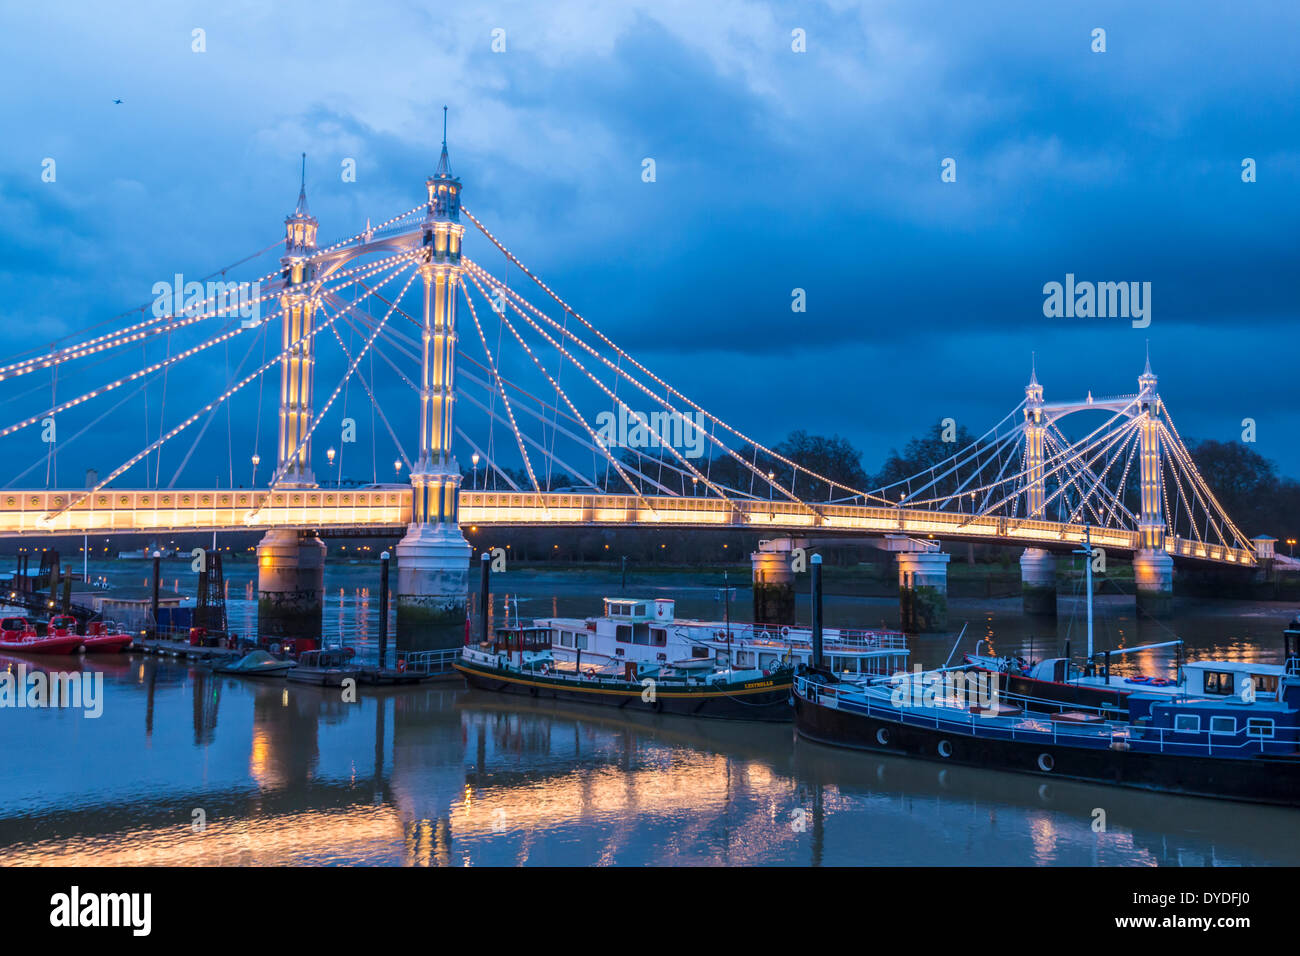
1244,747
19,634
327,668
647,632
103,637
256,664
520,660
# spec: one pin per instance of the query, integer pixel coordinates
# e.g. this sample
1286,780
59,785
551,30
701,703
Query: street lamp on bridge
474,459
257,460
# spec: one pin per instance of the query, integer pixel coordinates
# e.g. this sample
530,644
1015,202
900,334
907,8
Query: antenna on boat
1086,551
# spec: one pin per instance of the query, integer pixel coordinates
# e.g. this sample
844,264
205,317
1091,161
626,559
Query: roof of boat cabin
1200,703
1237,666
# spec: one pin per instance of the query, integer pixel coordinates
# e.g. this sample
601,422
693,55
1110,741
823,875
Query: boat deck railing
431,662
1040,726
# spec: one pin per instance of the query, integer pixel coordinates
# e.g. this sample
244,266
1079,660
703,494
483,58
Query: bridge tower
1153,568
1037,565
290,566
433,557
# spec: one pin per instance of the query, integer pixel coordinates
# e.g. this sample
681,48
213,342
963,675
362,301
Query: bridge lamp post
1291,544
695,484
474,459
771,475
257,460
397,468
330,453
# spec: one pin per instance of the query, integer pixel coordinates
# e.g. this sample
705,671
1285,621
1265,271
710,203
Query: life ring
1160,682
1140,679
589,673
785,630
546,670
401,665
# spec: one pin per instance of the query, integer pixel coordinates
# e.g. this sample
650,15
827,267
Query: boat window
623,632
1265,683
699,652
658,637
724,659
1223,725
1259,727
639,610
1218,682
580,641
744,658
767,661
640,634
1187,723
566,638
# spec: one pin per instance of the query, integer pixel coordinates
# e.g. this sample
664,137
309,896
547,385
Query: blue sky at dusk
775,170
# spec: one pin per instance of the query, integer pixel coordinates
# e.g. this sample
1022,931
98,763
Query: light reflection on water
285,774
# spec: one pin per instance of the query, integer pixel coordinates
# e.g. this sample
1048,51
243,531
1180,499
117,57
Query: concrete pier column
432,587
1153,574
774,580
923,590
1038,581
290,585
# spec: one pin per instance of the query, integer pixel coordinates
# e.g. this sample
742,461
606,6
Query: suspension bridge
392,308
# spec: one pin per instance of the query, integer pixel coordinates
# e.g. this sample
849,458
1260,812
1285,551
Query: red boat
102,637
19,634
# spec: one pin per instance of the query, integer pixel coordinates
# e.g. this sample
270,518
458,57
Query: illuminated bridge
562,426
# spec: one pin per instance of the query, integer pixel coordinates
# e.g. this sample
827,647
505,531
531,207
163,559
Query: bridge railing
120,510
133,510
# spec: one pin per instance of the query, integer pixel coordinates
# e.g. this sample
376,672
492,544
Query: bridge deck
24,514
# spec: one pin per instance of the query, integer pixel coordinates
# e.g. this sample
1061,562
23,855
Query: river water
186,767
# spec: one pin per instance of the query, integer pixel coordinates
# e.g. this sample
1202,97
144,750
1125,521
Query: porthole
1046,763
945,748
882,737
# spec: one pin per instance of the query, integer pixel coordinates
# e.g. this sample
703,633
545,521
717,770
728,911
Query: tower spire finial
444,164
301,210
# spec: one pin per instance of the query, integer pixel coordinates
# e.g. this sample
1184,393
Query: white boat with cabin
647,631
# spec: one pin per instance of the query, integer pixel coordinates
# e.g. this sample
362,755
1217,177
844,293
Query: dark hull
1270,779
755,700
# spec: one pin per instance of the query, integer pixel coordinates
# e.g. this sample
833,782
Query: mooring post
157,579
485,574
383,609
816,573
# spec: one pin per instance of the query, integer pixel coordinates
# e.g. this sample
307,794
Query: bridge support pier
1038,581
290,585
432,587
923,590
1153,576
774,581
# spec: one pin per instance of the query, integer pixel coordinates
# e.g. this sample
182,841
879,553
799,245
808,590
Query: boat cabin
509,640
333,657
637,610
1231,678
1057,669
1263,724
